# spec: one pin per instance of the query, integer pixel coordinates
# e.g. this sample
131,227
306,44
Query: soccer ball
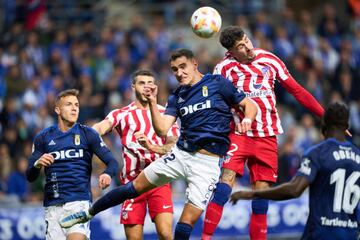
205,21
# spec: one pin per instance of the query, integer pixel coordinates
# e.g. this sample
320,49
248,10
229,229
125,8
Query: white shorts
201,173
54,213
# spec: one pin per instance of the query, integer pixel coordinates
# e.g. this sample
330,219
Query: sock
215,209
258,225
113,198
182,231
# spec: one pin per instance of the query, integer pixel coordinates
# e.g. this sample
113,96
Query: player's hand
241,195
244,126
104,180
142,140
44,161
150,92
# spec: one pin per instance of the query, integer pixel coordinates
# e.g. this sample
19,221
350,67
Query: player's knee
221,194
165,234
259,206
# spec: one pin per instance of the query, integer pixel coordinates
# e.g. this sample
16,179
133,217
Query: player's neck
339,135
65,126
141,105
197,77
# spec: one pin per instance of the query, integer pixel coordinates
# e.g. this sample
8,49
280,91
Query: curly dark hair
230,35
336,117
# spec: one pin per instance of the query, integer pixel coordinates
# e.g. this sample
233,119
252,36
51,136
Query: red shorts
260,154
159,200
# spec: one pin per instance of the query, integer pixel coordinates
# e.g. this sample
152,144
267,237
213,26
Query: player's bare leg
258,224
187,220
76,236
215,208
134,231
163,223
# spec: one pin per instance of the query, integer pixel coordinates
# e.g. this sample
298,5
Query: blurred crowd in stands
39,58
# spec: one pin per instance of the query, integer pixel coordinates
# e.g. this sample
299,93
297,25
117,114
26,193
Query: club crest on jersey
77,139
205,91
258,82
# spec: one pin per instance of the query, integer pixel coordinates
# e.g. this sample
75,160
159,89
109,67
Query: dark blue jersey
68,178
333,170
204,112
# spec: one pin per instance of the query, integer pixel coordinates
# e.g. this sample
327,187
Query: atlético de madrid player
253,71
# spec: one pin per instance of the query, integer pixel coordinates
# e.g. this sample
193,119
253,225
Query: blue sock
182,231
221,194
259,206
113,198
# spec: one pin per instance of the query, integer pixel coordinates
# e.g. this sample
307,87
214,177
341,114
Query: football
205,22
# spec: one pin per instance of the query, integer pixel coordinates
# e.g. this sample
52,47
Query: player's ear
195,63
57,110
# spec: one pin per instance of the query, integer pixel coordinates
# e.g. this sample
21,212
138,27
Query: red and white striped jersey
127,121
257,80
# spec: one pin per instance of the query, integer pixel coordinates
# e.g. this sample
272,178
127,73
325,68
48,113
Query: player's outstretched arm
292,189
250,111
103,127
303,96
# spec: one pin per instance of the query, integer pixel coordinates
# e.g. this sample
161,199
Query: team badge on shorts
77,139
205,91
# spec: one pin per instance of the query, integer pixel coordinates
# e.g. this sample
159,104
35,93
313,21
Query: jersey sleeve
37,151
295,89
229,91
309,166
171,106
113,117
99,147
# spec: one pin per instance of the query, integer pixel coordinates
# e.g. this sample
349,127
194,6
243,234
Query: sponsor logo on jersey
258,81
69,153
205,91
51,143
77,139
195,107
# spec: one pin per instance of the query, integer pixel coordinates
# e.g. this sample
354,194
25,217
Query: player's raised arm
161,123
103,127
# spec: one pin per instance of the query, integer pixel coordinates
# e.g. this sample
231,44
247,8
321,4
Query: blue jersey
204,112
68,178
333,170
